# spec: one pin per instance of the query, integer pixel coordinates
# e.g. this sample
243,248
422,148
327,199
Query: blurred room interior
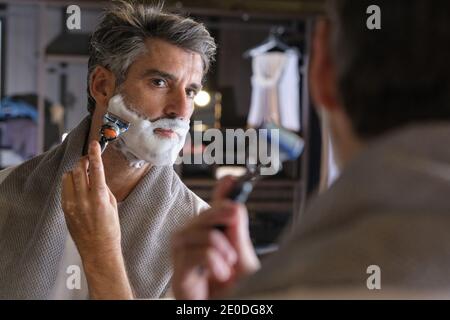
43,90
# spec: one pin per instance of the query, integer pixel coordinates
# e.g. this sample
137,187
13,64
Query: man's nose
179,105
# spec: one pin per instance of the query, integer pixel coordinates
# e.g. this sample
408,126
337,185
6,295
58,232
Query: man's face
162,82
157,98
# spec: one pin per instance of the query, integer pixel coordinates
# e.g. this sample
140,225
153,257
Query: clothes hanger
272,43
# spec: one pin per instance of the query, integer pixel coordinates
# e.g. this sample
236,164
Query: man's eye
191,93
159,83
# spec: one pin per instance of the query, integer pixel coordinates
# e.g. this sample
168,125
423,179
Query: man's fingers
224,213
220,269
68,192
96,170
223,188
80,179
204,262
68,199
206,238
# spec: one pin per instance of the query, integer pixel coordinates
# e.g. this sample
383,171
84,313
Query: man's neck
121,178
346,144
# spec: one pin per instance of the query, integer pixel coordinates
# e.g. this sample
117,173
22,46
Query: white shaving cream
140,144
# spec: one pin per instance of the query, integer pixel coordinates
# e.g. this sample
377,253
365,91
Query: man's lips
168,133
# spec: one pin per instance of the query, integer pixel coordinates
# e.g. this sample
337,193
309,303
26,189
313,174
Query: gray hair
125,26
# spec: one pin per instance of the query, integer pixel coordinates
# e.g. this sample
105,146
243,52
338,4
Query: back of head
397,75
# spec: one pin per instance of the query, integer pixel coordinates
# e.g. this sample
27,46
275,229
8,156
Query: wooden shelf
209,182
268,196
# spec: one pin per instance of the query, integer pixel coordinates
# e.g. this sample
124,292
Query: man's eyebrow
154,72
196,86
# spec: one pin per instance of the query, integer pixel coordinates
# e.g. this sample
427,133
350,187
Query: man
384,223
143,63
385,95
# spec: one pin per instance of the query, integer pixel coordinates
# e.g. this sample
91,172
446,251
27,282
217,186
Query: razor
290,147
113,126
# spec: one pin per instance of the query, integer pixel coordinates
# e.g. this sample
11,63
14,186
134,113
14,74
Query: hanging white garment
275,90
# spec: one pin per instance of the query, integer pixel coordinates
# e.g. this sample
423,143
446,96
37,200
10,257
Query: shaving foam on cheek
140,144
117,107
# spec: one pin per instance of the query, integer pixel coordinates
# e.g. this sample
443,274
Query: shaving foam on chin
140,144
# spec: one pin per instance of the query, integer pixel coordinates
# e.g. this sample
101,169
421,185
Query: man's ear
322,76
102,87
